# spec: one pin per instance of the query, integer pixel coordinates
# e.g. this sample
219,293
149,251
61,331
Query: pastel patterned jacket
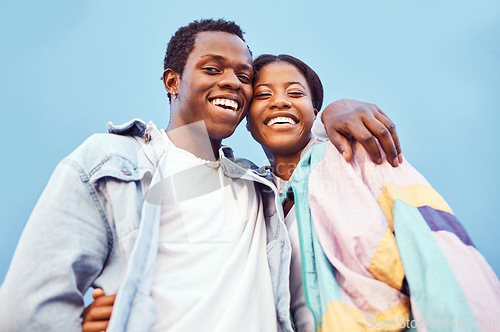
382,251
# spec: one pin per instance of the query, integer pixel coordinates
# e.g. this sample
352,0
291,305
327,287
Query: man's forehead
221,46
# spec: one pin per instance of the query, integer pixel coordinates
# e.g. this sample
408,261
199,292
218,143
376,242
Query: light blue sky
69,67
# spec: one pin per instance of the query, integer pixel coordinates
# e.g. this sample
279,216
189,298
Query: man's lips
226,103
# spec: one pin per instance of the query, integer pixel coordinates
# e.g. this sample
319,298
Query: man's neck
194,139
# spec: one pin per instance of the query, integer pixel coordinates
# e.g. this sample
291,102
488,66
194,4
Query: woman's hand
367,124
97,315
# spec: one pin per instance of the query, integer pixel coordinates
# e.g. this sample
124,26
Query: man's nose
230,80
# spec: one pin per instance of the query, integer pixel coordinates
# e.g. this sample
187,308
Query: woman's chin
286,147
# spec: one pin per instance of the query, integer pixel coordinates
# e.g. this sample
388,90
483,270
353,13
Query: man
187,238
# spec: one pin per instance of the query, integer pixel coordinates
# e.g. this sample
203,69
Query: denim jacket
93,226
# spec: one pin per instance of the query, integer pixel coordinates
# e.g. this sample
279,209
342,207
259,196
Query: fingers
384,119
342,144
367,124
98,292
383,135
96,317
365,137
99,313
105,300
95,326
356,128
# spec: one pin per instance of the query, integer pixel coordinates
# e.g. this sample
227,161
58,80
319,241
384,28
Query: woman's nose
280,101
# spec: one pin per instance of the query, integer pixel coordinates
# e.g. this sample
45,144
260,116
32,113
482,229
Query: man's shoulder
122,147
99,145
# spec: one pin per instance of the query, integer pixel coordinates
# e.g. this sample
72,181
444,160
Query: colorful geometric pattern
371,234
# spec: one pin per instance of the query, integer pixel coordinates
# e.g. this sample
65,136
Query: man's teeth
281,119
226,103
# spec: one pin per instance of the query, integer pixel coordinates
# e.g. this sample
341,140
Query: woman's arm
97,315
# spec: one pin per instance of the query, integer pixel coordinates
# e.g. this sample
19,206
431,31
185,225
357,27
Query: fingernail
379,161
395,162
344,154
400,157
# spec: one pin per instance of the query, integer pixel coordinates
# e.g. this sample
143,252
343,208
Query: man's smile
228,104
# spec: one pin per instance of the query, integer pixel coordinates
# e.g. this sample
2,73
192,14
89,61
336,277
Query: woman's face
281,114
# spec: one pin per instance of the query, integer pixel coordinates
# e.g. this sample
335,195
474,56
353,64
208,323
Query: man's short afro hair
182,42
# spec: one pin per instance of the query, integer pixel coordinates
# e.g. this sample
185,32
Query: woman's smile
281,114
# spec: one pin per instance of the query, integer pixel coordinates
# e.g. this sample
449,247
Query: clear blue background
69,67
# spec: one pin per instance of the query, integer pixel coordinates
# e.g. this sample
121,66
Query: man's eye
211,70
245,79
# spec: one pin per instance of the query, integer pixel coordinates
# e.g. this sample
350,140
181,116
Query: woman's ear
171,81
315,112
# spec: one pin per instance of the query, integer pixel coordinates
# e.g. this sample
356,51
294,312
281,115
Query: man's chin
221,133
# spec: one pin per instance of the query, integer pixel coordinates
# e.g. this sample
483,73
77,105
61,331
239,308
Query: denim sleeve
318,128
62,250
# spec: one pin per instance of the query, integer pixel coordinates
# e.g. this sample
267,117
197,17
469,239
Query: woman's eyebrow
292,83
287,83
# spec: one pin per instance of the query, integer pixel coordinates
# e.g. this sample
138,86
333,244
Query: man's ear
171,81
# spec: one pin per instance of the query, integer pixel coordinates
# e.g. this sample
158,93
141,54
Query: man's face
216,85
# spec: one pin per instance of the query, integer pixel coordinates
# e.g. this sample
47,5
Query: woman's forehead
279,70
280,73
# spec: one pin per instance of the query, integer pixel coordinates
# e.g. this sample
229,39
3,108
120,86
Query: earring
175,95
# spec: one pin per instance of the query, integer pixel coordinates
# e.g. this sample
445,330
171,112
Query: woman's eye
296,93
262,95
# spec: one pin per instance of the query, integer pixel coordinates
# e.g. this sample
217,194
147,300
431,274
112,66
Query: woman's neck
284,165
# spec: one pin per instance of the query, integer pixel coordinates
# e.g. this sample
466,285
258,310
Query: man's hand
366,123
97,315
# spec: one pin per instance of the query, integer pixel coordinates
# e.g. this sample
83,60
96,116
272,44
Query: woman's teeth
280,120
226,103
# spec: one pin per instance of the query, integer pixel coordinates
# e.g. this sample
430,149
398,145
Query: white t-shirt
211,272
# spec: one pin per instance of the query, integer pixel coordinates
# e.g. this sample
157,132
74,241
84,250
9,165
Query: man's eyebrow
214,57
218,57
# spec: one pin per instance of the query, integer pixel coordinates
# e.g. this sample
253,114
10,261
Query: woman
373,239
373,246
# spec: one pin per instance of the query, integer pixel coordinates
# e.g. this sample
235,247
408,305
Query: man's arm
364,122
61,251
